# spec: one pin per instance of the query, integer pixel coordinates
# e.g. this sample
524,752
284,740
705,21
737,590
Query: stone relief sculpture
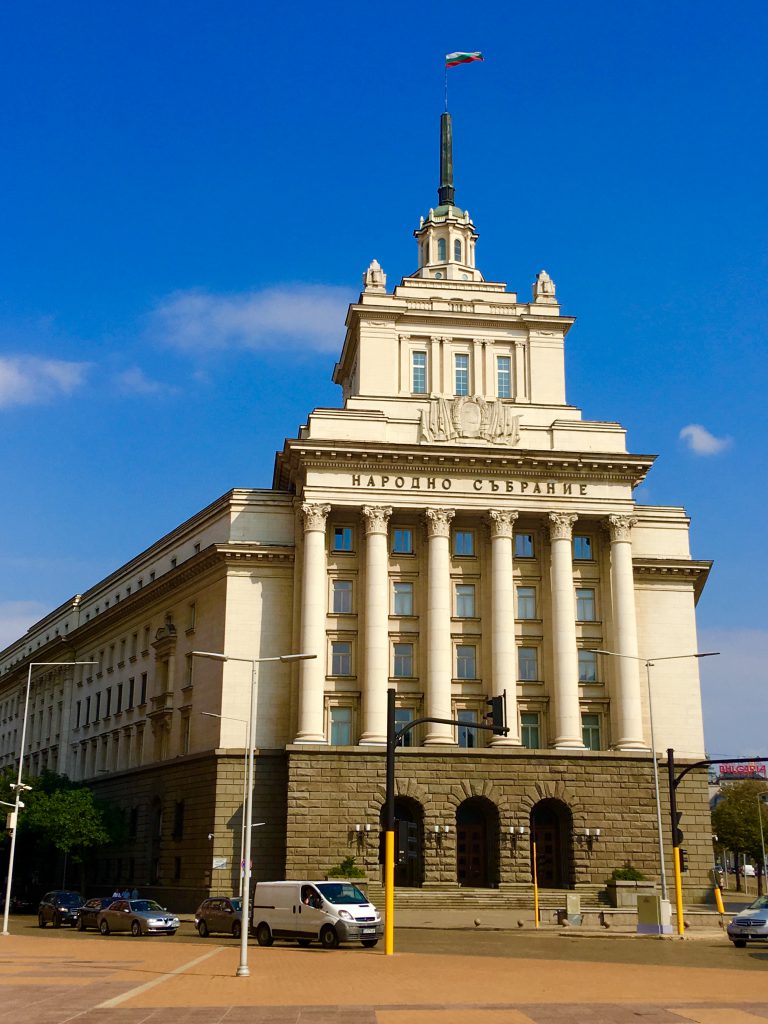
544,288
451,419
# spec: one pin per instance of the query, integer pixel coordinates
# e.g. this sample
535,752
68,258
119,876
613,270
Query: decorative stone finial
544,288
374,279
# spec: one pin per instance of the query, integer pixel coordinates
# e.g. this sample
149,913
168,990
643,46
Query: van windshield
342,892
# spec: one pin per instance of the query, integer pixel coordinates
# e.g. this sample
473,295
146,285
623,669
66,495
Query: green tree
735,820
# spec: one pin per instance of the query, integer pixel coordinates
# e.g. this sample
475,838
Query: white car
750,924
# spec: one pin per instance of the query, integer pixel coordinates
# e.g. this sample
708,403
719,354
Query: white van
330,912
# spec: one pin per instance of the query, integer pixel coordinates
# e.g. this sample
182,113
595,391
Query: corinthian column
628,713
503,648
439,648
567,714
313,611
376,671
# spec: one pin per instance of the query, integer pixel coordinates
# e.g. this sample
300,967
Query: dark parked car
87,917
60,906
219,914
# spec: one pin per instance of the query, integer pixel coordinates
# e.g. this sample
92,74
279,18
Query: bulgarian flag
452,59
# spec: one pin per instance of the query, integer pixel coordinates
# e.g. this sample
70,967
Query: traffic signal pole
498,716
676,836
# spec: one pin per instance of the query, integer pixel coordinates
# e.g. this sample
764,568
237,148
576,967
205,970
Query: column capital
620,527
376,518
502,522
561,525
438,522
314,517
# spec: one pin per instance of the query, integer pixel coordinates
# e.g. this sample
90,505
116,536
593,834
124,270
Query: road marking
110,1003
715,1015
453,1016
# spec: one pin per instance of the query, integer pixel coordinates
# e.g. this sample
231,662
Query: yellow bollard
389,893
679,892
535,889
719,900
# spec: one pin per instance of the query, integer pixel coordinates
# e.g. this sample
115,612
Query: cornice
662,570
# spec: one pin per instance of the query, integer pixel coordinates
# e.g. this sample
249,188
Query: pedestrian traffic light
497,716
677,832
683,860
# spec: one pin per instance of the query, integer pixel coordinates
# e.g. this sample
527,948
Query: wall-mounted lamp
587,837
516,833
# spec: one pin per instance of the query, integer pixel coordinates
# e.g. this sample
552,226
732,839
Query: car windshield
341,892
761,903
146,906
68,899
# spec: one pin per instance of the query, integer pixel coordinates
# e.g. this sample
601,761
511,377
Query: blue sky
190,193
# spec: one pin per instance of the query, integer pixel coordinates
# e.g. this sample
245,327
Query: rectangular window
526,602
524,545
464,543
402,717
465,600
134,644
466,737
341,658
528,664
582,548
419,373
587,666
461,373
108,710
585,605
87,711
79,710
530,732
131,685
184,740
133,822
403,598
342,597
341,727
119,707
97,716
590,731
504,376
403,661
342,538
178,820
466,661
191,615
402,540
143,688
177,869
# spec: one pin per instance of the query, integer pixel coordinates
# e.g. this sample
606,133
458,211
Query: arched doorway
552,831
477,843
409,841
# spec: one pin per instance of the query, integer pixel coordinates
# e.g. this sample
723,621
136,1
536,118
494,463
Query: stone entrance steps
593,897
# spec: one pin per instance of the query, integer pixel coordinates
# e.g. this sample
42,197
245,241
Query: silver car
219,914
750,924
139,917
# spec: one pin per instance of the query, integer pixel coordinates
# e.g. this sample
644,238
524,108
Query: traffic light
382,846
683,861
497,716
677,832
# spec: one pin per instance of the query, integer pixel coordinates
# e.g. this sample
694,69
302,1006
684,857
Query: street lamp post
649,663
243,971
19,786
762,798
211,714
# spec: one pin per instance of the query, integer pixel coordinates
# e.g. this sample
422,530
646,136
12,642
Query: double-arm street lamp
244,721
243,971
762,798
19,786
649,663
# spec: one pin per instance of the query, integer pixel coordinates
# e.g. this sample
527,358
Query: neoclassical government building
454,530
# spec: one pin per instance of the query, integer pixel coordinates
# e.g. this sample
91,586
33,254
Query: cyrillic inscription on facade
409,482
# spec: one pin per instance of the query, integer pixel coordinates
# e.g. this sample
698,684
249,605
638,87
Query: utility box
573,908
654,915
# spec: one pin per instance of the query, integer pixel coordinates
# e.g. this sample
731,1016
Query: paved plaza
436,977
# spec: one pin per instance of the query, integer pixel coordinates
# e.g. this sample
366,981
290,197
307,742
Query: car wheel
81,925
740,943
41,922
369,943
303,942
236,930
56,921
328,938
135,928
73,922
104,927
264,934
202,929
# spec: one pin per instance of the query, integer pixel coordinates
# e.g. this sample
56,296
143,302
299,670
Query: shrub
627,874
347,869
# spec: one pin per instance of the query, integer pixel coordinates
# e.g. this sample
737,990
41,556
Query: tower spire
445,192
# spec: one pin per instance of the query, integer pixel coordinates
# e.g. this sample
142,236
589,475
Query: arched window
441,250
457,251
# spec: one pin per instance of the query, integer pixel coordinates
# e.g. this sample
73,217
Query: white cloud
701,442
292,317
134,381
734,688
16,617
30,380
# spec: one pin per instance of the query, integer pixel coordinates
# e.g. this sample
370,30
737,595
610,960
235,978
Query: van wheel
369,943
328,938
740,943
303,942
264,934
